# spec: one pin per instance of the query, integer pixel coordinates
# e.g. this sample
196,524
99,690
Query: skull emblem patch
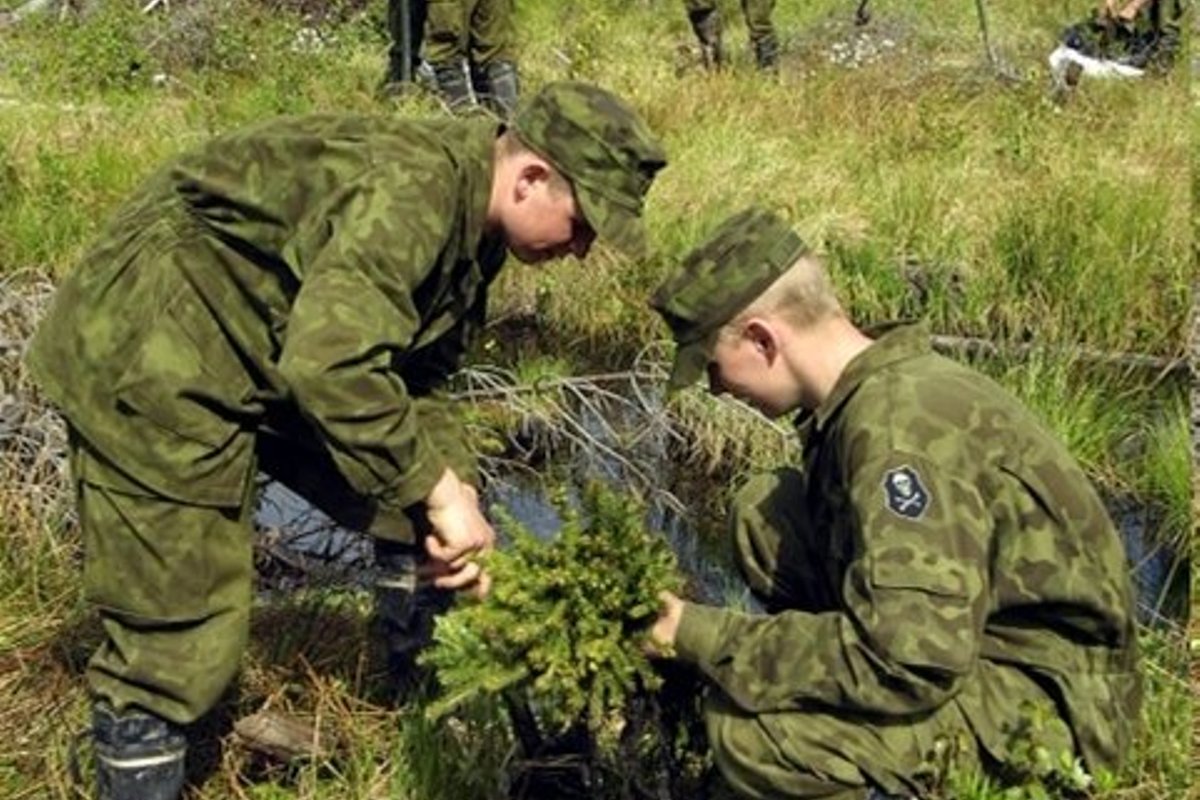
906,495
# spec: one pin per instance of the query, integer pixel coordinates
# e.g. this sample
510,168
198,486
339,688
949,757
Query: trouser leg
825,755
763,38
491,32
706,24
445,30
492,55
446,49
172,584
406,609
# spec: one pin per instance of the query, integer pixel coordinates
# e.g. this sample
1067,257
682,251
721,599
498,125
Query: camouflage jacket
320,274
959,533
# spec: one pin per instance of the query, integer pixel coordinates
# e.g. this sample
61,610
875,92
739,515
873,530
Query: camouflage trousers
480,31
172,580
827,753
756,12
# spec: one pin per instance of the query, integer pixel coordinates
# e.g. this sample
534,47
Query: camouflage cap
603,148
742,257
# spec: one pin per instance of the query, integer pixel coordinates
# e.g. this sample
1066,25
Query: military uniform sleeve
914,607
439,417
448,436
352,322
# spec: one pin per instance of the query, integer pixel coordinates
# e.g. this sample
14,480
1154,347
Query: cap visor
614,226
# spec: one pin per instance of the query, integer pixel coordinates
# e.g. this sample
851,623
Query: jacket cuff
419,480
698,634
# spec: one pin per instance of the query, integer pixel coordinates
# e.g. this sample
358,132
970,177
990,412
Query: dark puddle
302,546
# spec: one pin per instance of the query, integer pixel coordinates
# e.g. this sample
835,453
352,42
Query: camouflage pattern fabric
744,256
756,12
292,294
231,292
172,584
236,291
942,561
292,453
480,31
781,557
819,753
173,578
604,148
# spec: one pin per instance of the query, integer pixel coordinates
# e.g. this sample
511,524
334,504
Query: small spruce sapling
566,620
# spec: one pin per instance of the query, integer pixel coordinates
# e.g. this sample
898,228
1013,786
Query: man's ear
762,336
530,174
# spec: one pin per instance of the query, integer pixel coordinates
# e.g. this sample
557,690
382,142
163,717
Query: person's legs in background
492,56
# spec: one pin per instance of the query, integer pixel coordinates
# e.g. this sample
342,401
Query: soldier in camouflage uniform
471,47
290,297
939,570
705,17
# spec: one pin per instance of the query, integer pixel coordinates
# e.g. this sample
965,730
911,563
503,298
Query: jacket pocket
154,559
183,398
944,578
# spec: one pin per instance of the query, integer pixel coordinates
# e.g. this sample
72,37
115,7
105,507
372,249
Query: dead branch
971,345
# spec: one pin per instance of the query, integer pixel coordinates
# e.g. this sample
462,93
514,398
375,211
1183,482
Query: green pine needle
566,618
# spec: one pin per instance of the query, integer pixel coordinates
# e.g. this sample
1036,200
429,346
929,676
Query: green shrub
566,619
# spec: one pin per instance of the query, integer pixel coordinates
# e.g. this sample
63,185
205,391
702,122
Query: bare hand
460,532
662,632
1114,10
459,528
470,577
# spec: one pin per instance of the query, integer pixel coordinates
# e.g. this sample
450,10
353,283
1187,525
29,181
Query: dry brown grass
42,639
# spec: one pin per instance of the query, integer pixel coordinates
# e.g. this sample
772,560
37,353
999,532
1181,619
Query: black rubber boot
501,88
139,756
404,613
707,26
766,53
453,86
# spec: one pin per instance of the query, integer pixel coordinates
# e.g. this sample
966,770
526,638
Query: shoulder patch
905,494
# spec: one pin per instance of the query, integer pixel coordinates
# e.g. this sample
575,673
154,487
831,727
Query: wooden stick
981,9
1138,361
